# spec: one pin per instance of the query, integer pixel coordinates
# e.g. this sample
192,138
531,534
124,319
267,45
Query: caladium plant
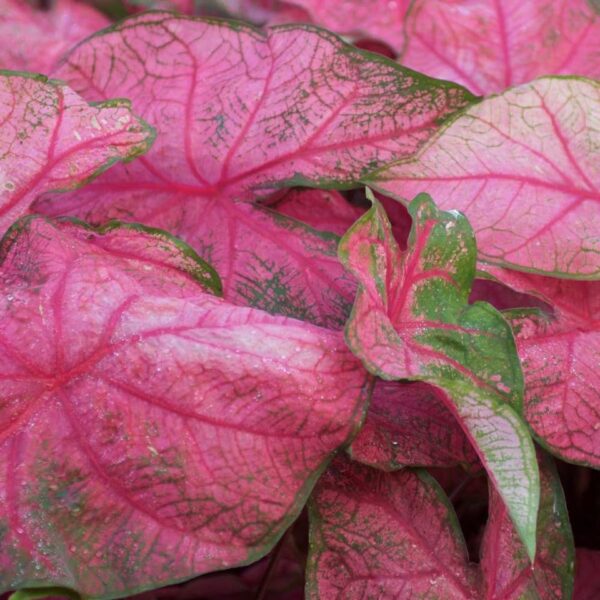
218,150
51,139
523,40
379,535
387,535
208,324
486,45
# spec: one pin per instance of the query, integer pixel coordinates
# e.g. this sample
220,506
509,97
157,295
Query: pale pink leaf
560,354
150,431
507,572
408,424
240,113
489,45
381,20
384,535
587,575
524,167
51,139
35,40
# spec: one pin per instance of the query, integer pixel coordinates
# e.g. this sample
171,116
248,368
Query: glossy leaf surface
384,535
35,40
524,167
408,424
302,115
490,45
411,320
560,354
150,431
51,139
507,572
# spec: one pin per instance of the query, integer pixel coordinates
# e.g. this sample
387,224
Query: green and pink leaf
412,320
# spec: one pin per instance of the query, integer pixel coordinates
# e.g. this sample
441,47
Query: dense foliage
310,298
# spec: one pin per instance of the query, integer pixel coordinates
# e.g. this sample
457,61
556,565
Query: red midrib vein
220,187
565,189
399,300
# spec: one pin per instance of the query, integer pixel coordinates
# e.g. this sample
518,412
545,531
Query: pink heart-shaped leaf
149,430
312,109
239,113
35,40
